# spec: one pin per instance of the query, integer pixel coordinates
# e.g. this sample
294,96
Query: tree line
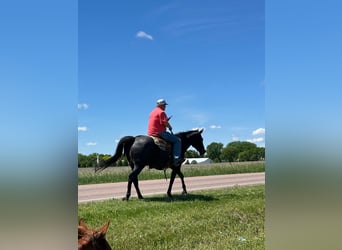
232,152
235,151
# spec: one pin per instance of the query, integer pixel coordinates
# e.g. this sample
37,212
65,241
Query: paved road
98,192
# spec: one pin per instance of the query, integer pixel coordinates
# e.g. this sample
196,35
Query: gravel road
99,192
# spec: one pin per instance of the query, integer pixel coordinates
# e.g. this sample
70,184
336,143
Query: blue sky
207,59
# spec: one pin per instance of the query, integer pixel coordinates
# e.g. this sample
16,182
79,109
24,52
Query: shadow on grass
180,198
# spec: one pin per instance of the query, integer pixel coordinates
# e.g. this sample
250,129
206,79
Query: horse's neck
185,146
88,243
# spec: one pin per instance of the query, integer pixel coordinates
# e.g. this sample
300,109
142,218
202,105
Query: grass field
120,174
231,218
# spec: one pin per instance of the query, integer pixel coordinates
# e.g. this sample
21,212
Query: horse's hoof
184,193
140,198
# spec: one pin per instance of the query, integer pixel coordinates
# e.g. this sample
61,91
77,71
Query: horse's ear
201,130
82,224
103,229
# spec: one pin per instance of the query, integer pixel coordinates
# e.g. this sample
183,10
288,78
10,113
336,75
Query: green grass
120,174
212,219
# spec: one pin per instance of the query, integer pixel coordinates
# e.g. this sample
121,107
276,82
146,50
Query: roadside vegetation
230,218
120,174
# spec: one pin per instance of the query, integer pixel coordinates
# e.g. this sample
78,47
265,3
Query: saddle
167,148
162,144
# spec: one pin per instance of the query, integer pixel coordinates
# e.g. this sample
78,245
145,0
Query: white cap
161,102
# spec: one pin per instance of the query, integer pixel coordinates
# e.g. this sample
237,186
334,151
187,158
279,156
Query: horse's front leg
172,179
181,176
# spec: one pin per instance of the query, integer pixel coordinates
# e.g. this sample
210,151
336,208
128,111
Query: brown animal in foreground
90,239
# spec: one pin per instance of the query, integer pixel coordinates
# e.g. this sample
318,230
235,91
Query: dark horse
142,151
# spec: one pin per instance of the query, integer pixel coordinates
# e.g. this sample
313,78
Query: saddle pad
161,143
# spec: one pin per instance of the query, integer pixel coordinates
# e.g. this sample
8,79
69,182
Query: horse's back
144,151
142,144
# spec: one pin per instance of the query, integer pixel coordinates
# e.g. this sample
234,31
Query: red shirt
157,122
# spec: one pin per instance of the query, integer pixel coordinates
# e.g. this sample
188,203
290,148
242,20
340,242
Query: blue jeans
176,141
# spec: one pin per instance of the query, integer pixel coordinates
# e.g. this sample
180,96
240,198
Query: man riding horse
158,123
143,150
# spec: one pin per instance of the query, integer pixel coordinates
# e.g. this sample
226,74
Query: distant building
197,161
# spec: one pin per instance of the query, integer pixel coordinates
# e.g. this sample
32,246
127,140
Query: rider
157,124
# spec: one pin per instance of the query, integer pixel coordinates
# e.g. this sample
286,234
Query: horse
143,150
90,239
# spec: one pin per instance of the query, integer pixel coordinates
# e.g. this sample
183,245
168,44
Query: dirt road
98,192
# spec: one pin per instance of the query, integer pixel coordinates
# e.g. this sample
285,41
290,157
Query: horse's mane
184,133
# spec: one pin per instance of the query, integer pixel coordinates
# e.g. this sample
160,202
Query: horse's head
90,239
194,138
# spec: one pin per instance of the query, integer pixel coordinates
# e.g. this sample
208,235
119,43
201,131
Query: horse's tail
124,146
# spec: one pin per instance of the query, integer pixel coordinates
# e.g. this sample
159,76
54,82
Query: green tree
86,161
105,157
191,154
232,152
82,161
92,160
229,154
248,155
214,151
261,153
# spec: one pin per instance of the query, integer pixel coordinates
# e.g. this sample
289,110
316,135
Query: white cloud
259,131
142,34
215,126
91,143
82,106
82,129
254,140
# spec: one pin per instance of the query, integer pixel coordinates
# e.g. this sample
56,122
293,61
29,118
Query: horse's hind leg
172,179
133,178
136,185
129,187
